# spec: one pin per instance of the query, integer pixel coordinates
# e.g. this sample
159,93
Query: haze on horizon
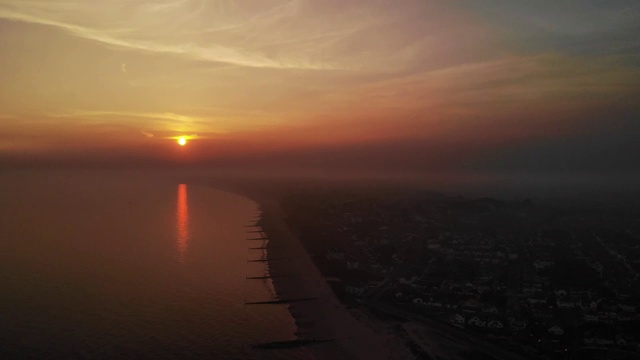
413,86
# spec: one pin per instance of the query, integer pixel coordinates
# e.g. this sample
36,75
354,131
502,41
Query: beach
325,317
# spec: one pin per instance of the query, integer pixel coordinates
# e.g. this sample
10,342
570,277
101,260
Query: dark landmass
516,278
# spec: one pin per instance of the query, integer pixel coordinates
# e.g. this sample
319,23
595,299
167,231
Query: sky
407,86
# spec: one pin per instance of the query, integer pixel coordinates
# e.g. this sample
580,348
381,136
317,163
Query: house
495,324
516,324
449,303
477,321
434,302
625,316
590,318
470,306
627,307
598,340
457,320
489,309
588,305
564,303
529,290
556,330
356,289
537,298
561,293
604,342
409,281
541,312
334,254
541,264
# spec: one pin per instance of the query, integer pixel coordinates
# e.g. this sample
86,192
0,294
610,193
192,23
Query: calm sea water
104,266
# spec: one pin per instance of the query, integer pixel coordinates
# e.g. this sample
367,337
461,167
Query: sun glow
182,141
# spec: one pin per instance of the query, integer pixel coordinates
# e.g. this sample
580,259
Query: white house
335,255
556,330
476,321
355,289
457,320
352,265
565,304
495,324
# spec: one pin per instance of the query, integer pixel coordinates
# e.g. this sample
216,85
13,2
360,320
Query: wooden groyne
267,260
281,301
290,344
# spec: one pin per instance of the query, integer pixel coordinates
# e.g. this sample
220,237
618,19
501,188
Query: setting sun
182,141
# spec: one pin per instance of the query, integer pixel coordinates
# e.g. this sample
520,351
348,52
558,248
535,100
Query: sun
182,141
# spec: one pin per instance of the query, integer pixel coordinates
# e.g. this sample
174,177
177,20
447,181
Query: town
544,280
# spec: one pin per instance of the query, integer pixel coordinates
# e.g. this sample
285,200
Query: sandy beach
326,317
357,335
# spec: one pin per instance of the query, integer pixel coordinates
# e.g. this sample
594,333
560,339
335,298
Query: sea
121,265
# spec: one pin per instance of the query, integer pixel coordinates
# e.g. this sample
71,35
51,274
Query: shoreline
325,317
300,283
359,333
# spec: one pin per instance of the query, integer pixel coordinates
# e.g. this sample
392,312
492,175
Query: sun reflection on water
183,221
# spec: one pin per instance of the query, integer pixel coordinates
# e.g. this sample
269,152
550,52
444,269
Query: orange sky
95,80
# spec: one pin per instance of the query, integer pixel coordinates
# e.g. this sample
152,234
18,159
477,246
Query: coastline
325,317
359,332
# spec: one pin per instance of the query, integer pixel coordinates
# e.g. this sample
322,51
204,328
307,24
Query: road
447,330
371,300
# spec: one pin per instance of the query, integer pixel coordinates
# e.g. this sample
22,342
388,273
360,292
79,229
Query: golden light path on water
182,221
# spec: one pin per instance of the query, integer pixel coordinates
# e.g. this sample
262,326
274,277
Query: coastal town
511,279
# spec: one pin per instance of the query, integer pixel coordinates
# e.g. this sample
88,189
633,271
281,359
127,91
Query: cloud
160,122
271,34
147,134
148,26
185,136
107,114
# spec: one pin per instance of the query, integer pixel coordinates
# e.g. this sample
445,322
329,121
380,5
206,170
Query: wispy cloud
147,134
287,34
165,125
146,115
148,32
